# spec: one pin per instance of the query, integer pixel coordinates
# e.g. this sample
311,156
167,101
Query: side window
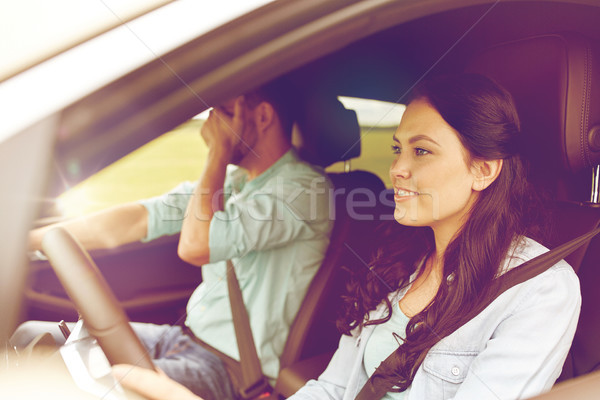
378,121
150,170
177,156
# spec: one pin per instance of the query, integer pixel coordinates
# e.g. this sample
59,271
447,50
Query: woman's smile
401,194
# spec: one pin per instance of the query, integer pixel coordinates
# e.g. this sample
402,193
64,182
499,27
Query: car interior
546,54
562,115
557,115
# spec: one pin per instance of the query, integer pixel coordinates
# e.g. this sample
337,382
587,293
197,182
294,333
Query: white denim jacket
513,349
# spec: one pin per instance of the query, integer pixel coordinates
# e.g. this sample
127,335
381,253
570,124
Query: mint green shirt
275,229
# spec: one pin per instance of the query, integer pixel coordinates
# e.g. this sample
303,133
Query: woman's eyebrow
422,137
416,139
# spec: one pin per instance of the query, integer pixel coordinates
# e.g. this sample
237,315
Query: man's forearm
104,229
207,199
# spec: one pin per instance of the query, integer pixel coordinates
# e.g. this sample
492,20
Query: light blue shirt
514,349
384,340
275,229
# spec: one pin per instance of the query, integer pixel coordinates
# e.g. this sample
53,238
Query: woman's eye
396,149
421,152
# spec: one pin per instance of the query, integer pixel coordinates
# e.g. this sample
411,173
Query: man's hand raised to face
224,131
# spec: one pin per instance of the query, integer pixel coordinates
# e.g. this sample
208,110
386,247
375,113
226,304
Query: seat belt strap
517,275
254,383
544,261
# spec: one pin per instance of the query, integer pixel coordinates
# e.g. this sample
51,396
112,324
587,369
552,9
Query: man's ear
485,172
264,115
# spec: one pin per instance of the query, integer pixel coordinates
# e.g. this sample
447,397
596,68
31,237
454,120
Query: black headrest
330,132
555,81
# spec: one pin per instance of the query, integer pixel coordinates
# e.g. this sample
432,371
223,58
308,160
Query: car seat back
555,82
331,133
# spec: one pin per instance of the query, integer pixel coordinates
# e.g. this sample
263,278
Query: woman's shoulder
525,249
545,297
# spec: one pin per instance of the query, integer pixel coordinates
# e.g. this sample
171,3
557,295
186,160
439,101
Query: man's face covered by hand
231,128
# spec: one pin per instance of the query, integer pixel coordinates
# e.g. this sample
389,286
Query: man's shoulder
300,167
299,172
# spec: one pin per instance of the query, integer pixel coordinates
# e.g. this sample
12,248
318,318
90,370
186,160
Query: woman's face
433,184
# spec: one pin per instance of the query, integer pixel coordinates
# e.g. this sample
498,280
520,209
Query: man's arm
104,229
193,242
221,134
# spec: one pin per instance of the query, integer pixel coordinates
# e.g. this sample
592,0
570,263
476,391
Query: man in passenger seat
257,204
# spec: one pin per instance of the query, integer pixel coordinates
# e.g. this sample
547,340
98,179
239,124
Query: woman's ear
485,172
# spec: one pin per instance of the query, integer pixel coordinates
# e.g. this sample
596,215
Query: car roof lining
382,66
414,49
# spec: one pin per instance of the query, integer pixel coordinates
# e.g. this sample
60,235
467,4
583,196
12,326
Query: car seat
330,133
555,82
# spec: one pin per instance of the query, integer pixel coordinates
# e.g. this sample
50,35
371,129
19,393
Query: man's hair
280,94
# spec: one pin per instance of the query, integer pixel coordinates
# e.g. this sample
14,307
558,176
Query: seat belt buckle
264,395
259,390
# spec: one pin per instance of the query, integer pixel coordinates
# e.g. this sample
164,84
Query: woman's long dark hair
485,117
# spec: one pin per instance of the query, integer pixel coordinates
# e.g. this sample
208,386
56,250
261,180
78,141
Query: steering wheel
104,317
